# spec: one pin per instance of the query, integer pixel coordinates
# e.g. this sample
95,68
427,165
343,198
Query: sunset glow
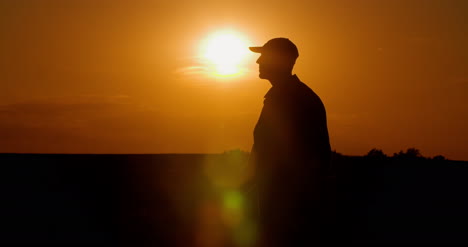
178,76
224,53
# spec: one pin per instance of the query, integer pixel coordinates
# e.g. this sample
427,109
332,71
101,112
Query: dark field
195,200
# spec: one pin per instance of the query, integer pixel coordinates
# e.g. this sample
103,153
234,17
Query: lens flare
229,216
233,200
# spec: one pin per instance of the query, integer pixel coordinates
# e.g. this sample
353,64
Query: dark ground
153,200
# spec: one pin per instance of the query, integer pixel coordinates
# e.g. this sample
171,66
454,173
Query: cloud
114,124
85,114
84,123
57,105
64,112
193,70
199,68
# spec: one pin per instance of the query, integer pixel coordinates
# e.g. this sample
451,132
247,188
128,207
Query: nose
258,60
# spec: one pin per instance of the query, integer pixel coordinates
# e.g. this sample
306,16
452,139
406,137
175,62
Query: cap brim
257,49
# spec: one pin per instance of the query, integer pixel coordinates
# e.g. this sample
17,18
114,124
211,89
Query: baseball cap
277,45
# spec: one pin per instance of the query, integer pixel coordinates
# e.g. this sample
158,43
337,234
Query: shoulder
308,97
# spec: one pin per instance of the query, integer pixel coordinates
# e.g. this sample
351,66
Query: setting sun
224,53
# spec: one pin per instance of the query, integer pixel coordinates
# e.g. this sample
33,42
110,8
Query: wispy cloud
63,112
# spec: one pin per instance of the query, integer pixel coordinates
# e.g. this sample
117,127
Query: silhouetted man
291,151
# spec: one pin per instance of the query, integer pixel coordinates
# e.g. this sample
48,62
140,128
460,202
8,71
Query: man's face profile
271,64
264,66
267,64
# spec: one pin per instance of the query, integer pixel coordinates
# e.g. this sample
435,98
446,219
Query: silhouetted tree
411,153
376,154
439,157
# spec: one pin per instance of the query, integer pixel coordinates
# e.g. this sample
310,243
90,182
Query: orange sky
110,77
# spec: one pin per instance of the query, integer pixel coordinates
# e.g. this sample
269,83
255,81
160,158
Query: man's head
277,58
